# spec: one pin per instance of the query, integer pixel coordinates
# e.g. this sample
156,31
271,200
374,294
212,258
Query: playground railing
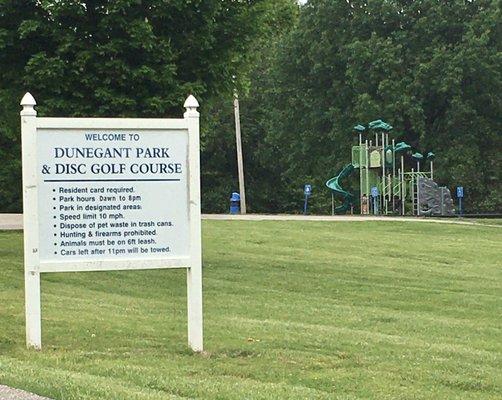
416,174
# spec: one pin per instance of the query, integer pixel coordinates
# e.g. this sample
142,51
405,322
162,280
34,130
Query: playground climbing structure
384,181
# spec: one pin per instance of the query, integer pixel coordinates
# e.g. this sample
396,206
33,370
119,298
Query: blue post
307,191
374,195
460,195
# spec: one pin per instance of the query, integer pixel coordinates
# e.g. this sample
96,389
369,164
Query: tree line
305,76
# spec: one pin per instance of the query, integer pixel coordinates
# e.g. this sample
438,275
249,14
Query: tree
431,68
136,58
256,87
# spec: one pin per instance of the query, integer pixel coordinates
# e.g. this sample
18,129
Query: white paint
194,273
111,194
92,205
30,223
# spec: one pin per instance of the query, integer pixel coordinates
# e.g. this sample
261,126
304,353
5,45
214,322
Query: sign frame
33,266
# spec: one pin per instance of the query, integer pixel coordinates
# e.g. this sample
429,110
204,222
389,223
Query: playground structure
385,186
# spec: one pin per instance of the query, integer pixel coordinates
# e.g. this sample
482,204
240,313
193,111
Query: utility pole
240,164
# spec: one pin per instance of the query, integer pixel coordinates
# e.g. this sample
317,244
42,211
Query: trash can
235,203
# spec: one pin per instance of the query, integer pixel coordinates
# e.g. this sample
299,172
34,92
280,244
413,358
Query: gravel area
7,393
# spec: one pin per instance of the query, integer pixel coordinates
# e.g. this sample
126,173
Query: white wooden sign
111,194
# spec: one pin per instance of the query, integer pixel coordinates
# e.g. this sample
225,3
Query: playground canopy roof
379,124
402,146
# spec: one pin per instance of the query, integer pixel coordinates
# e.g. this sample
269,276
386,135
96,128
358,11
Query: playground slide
334,185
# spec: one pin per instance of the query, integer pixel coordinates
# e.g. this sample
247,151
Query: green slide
334,185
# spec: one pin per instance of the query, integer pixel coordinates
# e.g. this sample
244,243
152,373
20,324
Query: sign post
374,195
460,196
111,194
307,191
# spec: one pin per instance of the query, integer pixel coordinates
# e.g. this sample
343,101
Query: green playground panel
359,157
358,153
375,159
373,180
389,156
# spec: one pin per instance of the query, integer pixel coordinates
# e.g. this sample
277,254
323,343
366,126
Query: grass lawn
293,310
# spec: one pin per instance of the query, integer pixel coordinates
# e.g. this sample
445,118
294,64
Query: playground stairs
433,199
415,202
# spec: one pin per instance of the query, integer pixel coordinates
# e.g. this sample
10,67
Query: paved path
7,393
15,221
342,218
11,221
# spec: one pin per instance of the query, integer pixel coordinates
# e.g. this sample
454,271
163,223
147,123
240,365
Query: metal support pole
418,188
399,188
403,187
442,200
390,192
389,185
400,192
360,173
332,203
393,173
384,204
432,170
412,187
367,165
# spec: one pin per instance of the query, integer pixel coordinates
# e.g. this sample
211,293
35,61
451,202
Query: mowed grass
293,310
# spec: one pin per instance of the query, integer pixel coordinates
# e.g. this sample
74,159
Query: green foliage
117,58
263,175
305,76
430,68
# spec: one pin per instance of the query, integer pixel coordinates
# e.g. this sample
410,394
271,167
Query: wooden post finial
28,102
191,105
